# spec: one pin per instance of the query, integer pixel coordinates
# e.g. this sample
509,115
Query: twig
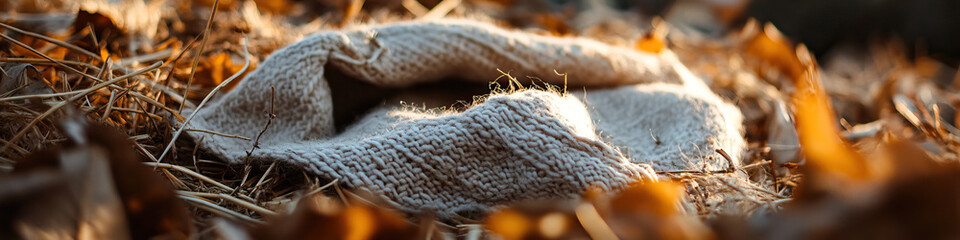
155,103
442,9
756,164
40,61
270,116
48,95
163,88
246,64
321,188
146,57
176,60
34,51
217,133
110,102
730,166
248,205
256,142
263,177
415,7
593,223
93,35
203,43
474,231
218,209
51,40
182,169
14,147
336,186
73,98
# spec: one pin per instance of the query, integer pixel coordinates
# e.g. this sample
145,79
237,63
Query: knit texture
639,112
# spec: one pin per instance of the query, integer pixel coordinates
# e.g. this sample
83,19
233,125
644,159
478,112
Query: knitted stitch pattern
522,145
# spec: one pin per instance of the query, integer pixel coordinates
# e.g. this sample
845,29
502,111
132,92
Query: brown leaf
832,161
646,210
351,10
116,197
36,205
817,127
502,3
554,23
224,5
321,217
543,219
919,200
151,206
21,79
105,28
275,6
36,6
649,210
654,41
215,69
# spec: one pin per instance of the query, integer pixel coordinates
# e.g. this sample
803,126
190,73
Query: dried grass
138,101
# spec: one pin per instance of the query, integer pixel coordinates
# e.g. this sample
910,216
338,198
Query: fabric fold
520,145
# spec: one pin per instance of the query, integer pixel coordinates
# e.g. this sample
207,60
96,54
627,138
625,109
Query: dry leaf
543,219
819,133
215,69
770,46
650,210
21,79
647,210
554,23
36,6
105,29
112,194
654,41
277,7
502,3
817,124
223,5
321,217
351,10
919,200
152,208
36,205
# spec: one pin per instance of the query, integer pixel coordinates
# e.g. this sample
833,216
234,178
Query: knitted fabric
514,146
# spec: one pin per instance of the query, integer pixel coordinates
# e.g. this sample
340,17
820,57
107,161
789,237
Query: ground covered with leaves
859,142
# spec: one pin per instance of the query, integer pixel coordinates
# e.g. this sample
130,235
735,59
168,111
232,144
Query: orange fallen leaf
502,3
819,132
274,6
555,24
321,217
509,224
769,45
645,210
214,69
817,124
223,5
650,197
654,41
351,10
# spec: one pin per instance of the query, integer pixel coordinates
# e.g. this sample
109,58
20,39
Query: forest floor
859,142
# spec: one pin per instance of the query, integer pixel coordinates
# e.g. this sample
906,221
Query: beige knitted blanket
639,112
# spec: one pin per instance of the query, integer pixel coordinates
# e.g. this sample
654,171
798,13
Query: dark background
931,26
925,27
